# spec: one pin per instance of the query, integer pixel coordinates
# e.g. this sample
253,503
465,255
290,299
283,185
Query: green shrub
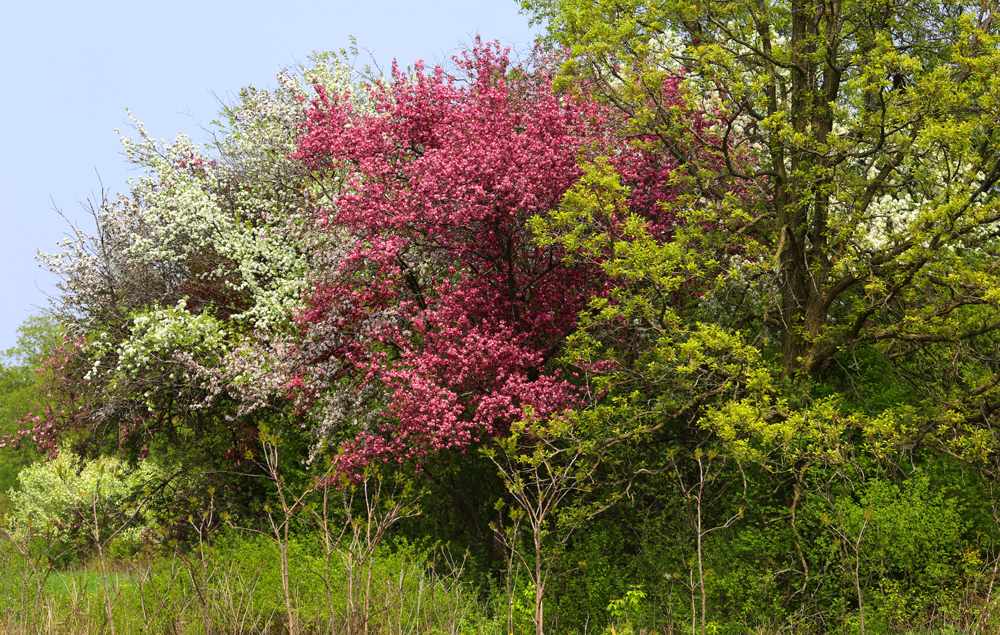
79,502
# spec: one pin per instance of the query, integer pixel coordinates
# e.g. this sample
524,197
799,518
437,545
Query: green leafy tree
866,133
829,294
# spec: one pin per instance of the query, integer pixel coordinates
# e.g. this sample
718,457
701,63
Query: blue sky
70,69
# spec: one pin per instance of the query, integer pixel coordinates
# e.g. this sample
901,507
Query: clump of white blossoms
212,242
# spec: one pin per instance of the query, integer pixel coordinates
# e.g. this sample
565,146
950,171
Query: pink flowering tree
444,309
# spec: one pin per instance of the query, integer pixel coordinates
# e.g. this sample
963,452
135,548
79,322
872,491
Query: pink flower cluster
53,416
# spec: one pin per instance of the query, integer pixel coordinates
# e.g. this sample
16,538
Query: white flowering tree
179,308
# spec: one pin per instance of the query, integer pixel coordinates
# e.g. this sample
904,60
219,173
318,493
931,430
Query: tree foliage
869,124
712,287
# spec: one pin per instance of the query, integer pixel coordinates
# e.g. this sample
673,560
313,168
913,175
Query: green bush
81,502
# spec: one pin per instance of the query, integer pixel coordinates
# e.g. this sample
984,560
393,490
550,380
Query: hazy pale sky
71,68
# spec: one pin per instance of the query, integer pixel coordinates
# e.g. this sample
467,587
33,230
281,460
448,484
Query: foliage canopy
723,274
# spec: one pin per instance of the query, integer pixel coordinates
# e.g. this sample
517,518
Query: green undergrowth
234,585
